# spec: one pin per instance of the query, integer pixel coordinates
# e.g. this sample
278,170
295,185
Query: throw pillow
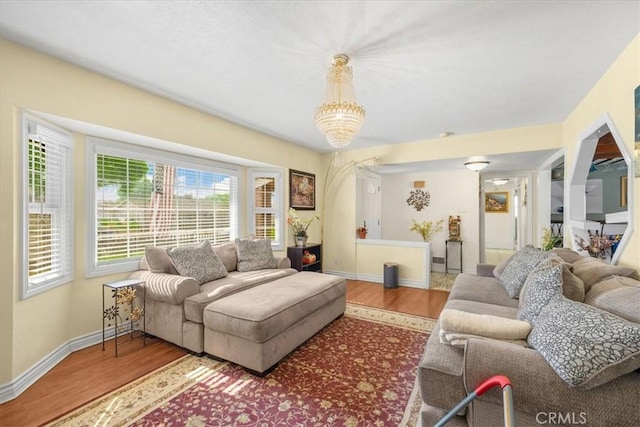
197,261
544,283
585,346
592,270
499,268
255,254
228,255
158,260
572,285
568,255
516,272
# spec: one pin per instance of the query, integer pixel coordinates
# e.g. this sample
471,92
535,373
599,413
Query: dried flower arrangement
597,245
299,226
426,229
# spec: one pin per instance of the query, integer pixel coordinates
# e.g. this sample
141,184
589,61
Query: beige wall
33,328
614,93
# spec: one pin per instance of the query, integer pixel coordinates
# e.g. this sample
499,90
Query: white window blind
48,204
157,201
266,206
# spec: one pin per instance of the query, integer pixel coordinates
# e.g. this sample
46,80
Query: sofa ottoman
256,328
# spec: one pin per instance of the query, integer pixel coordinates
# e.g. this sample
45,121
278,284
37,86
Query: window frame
64,193
96,146
278,206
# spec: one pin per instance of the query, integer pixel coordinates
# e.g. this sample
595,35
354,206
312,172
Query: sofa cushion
499,268
158,260
572,285
618,295
233,283
228,255
197,261
481,289
585,346
544,283
567,255
593,270
516,272
255,254
264,311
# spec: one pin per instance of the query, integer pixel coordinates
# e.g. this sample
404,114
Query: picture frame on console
302,190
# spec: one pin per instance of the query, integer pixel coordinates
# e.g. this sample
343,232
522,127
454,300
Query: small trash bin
390,275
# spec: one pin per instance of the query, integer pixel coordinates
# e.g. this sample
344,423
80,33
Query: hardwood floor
420,302
87,374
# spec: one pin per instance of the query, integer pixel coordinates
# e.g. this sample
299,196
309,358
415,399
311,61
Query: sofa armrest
168,288
537,388
485,270
283,262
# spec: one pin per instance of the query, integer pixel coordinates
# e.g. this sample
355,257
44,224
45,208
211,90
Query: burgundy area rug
358,371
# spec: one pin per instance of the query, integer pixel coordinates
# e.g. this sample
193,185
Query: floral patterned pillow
544,283
585,346
516,272
197,261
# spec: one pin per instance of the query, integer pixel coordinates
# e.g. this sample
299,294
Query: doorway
369,205
506,215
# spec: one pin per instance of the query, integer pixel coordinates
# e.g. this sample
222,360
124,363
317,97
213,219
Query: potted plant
299,227
362,231
549,241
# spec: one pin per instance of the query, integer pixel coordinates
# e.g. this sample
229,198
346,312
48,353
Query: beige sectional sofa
235,301
552,381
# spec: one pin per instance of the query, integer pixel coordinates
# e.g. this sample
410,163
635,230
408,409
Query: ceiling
420,68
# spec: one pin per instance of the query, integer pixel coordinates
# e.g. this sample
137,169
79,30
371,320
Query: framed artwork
302,190
496,201
623,191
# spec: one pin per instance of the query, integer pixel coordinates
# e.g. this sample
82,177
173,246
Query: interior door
370,204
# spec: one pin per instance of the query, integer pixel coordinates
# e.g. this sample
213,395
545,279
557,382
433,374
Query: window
48,206
266,206
140,198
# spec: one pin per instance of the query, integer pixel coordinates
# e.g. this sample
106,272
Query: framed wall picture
496,201
302,190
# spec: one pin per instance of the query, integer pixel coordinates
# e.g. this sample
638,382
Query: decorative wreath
419,199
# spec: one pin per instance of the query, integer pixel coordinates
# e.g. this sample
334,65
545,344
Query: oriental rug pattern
358,371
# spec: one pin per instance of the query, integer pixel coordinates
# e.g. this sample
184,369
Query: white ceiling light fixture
500,181
339,118
477,166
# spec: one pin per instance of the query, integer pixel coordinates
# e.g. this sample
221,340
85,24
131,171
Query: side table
123,292
446,256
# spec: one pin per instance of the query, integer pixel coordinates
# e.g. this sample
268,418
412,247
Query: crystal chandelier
339,118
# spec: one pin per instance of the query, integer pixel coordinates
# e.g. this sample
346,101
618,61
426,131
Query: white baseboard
344,274
376,279
10,391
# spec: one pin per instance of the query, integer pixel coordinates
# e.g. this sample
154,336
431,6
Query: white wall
499,226
452,193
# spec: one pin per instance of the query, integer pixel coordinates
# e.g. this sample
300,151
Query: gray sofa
446,373
175,303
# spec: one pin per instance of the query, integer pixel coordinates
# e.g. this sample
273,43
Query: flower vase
300,240
362,234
